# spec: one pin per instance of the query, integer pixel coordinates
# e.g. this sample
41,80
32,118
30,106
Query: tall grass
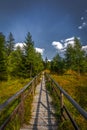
10,87
7,89
76,86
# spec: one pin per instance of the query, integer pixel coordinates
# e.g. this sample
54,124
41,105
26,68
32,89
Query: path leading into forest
43,113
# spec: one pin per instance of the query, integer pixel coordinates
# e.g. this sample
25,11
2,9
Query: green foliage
2,57
75,57
55,101
10,87
76,86
10,44
57,64
27,107
15,63
34,63
19,62
14,124
7,89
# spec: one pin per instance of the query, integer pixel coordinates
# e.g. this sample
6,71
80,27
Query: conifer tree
2,57
10,44
74,57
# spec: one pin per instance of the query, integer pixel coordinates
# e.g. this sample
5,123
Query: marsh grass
76,86
55,101
8,89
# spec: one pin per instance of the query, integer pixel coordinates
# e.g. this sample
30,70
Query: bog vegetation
18,65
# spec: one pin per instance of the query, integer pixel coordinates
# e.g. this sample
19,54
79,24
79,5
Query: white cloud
82,18
69,43
61,47
80,27
40,50
69,39
20,45
84,24
57,45
84,48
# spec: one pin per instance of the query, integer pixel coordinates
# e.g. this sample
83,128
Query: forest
18,62
19,65
26,62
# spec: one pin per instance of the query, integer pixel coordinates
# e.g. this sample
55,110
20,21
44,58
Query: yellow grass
76,86
8,88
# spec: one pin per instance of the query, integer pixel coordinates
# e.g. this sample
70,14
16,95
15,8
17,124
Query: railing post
21,108
35,81
61,102
33,88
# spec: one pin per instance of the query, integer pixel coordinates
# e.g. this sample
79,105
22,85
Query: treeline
18,62
75,58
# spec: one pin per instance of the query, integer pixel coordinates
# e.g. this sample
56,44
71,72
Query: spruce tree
10,44
75,57
2,57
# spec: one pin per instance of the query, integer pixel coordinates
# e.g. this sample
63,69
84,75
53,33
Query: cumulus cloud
19,44
84,48
40,50
57,45
69,41
62,46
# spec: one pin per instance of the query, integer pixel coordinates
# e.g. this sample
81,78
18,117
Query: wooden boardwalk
43,113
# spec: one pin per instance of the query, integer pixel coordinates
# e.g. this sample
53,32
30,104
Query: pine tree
57,64
10,44
2,57
33,60
75,57
29,54
15,63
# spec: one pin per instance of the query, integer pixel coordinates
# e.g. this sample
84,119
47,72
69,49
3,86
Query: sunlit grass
8,88
76,86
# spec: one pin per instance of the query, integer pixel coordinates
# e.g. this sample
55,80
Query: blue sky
46,20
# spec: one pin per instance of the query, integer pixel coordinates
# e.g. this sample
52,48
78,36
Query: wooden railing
17,102
61,95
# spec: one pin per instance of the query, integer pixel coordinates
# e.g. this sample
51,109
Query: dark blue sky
46,20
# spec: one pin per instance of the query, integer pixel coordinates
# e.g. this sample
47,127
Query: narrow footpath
43,113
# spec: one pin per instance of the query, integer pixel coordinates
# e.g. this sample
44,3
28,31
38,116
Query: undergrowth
8,89
76,86
55,102
16,123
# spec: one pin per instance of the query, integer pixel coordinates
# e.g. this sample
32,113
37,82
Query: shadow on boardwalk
44,117
43,113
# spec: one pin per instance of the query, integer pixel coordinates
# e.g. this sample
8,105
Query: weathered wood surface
43,113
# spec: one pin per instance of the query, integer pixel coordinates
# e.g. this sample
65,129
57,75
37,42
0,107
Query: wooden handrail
17,96
70,99
74,103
